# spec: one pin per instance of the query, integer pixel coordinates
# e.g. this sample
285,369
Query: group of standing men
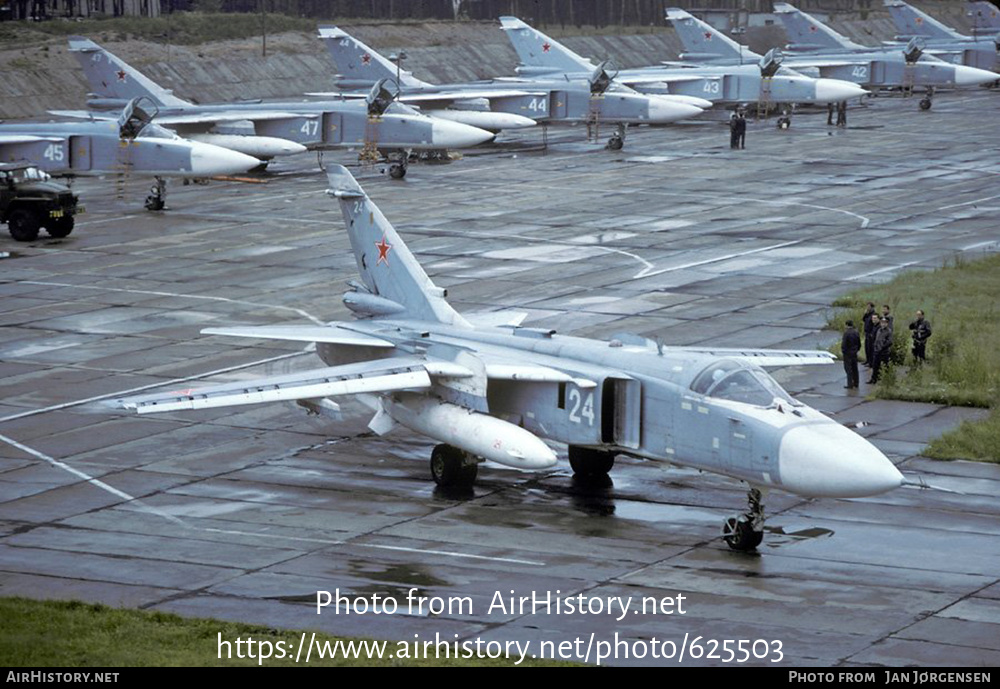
841,113
878,342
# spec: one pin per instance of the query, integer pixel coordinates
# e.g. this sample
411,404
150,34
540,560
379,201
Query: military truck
30,200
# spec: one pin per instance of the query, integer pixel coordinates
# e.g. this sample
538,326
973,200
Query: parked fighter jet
373,124
129,146
494,394
976,51
820,47
760,79
587,99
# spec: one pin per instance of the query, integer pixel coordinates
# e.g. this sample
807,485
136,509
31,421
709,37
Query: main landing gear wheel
615,143
452,467
746,531
397,170
23,225
590,463
925,103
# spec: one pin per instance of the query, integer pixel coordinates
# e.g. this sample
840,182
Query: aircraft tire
925,103
448,467
397,171
60,227
154,203
739,535
23,225
587,462
615,143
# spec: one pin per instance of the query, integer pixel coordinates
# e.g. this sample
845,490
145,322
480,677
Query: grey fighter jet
819,47
585,99
980,50
131,145
497,393
370,125
756,80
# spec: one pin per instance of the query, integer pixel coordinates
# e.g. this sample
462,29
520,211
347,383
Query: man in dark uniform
741,130
883,345
921,331
849,346
870,323
829,114
887,316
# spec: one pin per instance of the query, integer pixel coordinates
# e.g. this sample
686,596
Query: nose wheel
157,198
745,532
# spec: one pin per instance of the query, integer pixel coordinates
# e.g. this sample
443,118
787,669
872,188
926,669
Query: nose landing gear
745,532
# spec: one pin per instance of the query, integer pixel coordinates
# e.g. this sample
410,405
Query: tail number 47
581,408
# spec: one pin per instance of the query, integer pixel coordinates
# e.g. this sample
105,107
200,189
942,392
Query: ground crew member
849,346
842,113
883,346
870,327
921,331
733,139
741,130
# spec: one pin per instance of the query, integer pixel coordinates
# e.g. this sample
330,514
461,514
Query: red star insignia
366,59
546,47
708,35
383,251
121,75
920,20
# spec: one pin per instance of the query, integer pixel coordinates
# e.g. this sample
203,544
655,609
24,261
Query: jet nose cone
833,90
291,148
663,110
447,134
208,160
972,76
828,460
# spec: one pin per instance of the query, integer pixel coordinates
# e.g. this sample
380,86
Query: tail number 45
580,407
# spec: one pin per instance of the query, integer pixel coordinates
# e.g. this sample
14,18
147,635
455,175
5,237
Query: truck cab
30,201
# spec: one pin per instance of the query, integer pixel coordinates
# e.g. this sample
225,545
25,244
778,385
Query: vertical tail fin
387,267
110,77
910,21
703,41
359,65
538,52
985,17
805,32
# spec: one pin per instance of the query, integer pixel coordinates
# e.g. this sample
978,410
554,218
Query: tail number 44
580,407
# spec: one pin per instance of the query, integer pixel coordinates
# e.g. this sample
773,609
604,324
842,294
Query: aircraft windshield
737,381
155,131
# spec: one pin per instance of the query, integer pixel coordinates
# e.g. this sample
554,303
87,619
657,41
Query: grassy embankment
74,634
197,28
963,354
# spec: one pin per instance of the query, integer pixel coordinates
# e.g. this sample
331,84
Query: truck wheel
23,225
60,227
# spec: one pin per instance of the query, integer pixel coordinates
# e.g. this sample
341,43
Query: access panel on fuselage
608,414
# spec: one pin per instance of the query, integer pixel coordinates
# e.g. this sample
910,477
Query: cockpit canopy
740,381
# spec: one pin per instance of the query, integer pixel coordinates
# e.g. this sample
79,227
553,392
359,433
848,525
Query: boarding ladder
764,99
594,117
369,154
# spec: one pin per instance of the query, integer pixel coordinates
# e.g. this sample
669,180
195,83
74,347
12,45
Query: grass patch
183,28
963,354
75,634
